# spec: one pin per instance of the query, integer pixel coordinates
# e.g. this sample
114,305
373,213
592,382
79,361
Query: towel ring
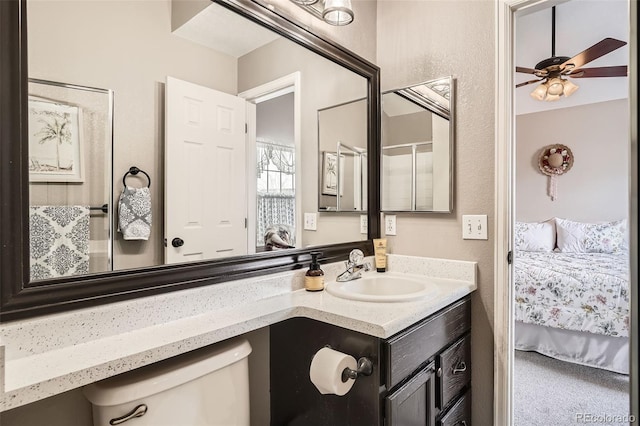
134,171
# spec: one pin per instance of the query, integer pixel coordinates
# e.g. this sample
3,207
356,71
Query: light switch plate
474,227
364,224
390,224
311,221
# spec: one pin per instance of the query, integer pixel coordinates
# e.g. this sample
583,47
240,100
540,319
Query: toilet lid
167,374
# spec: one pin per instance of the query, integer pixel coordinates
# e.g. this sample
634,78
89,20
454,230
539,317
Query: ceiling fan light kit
553,89
554,72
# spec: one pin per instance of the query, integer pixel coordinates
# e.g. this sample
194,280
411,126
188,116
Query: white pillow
537,236
578,237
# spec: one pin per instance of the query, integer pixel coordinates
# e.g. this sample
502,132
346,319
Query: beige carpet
548,392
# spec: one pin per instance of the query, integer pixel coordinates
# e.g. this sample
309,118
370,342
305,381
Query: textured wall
597,186
427,39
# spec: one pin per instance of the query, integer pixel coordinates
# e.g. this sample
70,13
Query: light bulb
540,92
337,12
555,86
569,88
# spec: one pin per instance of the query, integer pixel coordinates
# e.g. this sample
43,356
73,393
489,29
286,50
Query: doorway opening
273,153
507,203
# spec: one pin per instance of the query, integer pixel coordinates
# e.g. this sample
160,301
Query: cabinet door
413,404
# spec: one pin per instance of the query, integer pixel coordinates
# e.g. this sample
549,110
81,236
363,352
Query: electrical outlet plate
311,221
474,227
364,224
390,225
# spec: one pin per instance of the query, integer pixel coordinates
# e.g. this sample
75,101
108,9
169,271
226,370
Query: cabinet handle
439,372
460,368
462,423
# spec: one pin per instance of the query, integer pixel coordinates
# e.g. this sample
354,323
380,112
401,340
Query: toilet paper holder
364,368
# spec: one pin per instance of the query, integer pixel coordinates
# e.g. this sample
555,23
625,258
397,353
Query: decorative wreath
555,160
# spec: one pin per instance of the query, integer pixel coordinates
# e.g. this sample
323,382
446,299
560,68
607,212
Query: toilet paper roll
326,370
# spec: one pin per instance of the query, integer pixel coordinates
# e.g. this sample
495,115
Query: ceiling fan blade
527,83
617,71
594,52
525,70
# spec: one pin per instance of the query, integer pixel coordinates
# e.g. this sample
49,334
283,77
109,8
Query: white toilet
206,387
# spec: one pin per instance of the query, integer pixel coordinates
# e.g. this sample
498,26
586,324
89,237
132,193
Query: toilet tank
205,387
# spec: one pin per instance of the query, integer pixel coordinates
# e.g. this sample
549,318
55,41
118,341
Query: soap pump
314,278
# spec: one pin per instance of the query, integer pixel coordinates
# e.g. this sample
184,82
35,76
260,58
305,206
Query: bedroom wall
596,188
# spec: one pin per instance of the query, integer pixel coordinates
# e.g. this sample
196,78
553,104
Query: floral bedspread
573,291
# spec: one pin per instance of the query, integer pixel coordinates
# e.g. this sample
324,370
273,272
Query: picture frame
55,141
330,173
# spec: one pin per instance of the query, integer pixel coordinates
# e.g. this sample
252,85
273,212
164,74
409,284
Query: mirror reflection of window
276,195
276,172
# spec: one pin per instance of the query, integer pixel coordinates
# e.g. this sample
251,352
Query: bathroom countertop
53,354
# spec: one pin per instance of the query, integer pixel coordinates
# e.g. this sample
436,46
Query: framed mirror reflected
342,134
216,211
418,139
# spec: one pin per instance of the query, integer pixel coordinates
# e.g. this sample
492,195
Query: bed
572,294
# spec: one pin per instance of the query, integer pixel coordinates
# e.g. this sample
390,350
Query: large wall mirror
418,146
169,144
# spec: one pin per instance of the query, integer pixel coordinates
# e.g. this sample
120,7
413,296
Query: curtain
281,156
275,209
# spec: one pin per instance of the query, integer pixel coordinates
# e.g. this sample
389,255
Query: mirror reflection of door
205,207
571,260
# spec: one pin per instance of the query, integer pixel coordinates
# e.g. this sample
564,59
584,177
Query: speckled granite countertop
49,355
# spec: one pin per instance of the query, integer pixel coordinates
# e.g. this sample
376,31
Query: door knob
177,242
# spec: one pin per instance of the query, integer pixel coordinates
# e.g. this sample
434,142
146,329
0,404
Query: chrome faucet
355,266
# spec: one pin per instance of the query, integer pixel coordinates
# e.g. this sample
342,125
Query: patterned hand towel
58,241
134,213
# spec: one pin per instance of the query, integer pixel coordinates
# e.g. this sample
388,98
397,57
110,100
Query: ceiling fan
552,72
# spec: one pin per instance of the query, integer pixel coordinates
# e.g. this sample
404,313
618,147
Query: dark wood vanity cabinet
421,376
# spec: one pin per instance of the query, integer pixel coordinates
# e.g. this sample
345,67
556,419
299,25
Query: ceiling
215,26
579,25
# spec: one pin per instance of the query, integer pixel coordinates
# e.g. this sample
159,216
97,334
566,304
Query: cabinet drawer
454,370
459,414
409,349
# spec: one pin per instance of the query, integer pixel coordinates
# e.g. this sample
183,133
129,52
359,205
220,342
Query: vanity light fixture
552,88
305,2
333,12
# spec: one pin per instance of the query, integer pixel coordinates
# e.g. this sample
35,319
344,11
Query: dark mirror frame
20,298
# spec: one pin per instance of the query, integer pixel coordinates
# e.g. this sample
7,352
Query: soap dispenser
314,278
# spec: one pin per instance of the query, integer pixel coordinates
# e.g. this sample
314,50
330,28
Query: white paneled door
205,177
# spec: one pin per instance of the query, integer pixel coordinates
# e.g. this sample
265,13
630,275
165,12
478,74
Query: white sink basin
384,287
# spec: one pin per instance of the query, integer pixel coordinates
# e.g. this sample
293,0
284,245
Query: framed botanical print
330,173
55,141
